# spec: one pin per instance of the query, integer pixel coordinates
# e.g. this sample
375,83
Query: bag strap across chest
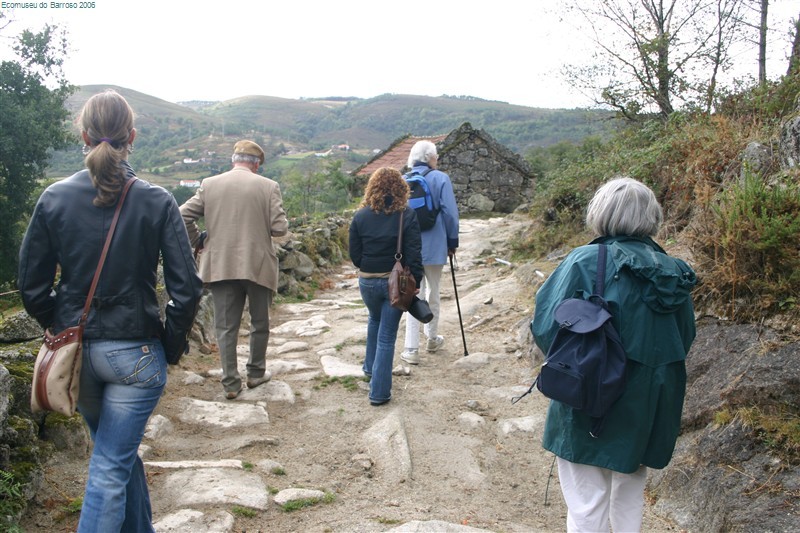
398,255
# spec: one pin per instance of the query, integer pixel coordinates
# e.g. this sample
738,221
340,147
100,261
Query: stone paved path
449,453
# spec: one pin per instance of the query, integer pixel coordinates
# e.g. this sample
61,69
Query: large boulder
730,367
758,159
728,474
300,265
790,139
19,327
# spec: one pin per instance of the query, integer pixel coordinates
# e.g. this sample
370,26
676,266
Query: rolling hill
171,132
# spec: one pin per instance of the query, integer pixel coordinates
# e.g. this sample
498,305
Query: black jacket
373,241
67,230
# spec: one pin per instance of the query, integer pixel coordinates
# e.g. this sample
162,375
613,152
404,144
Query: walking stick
458,306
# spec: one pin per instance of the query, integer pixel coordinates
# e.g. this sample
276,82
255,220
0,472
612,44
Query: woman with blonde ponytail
126,345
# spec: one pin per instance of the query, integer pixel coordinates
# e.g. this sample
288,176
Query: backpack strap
433,200
415,173
600,286
600,279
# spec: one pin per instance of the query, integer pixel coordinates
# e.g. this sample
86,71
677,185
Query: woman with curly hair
373,243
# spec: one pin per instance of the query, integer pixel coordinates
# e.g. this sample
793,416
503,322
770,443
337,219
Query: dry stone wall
486,175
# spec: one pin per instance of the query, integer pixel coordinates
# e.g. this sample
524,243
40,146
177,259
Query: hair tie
106,139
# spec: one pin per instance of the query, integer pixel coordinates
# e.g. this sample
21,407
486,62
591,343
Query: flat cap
249,148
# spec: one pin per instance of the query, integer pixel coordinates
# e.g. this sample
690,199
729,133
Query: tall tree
652,53
728,15
762,43
756,18
33,121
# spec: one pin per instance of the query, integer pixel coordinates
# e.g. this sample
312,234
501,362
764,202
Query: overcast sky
177,50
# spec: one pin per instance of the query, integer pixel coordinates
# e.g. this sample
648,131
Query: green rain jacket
649,295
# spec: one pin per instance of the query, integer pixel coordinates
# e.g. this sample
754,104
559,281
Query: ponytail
107,121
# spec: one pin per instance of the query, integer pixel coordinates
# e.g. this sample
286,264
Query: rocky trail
307,452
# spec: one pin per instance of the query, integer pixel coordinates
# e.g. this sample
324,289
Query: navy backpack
585,365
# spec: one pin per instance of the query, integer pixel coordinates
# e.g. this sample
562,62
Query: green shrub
748,248
12,502
770,101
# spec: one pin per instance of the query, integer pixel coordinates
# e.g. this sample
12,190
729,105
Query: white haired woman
438,243
649,295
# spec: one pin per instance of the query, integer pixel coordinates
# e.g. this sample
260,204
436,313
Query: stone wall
486,175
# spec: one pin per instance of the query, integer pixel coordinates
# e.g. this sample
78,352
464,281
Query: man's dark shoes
252,383
232,395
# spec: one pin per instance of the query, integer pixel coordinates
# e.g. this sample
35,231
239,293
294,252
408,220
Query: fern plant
11,502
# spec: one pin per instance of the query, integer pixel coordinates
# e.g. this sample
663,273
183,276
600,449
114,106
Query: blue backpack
421,199
585,365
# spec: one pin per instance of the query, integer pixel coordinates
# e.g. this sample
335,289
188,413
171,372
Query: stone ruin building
486,175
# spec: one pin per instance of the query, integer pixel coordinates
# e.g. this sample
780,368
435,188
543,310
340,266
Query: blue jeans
381,336
121,383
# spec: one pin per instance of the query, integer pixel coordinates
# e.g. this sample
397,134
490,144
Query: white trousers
428,290
596,496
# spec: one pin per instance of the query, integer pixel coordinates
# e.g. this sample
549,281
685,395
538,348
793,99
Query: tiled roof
396,156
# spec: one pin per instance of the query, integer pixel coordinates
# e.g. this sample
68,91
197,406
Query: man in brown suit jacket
242,212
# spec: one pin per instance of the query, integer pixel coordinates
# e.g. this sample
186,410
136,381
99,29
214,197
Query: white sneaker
435,344
410,356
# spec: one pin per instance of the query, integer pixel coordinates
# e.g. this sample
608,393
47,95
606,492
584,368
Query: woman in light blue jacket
438,243
649,296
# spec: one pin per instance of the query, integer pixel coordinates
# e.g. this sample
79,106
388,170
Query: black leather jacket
373,242
67,230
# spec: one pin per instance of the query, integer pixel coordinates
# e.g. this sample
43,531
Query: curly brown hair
387,192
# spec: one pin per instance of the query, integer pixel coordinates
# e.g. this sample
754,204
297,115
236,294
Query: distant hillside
376,122
170,132
150,111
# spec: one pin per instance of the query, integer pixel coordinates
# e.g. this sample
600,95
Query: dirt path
449,452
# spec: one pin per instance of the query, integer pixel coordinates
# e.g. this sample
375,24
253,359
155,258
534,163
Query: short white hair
624,206
421,153
246,158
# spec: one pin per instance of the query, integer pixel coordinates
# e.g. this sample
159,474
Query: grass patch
342,345
387,521
296,505
777,428
278,471
348,382
247,465
302,503
74,506
244,512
